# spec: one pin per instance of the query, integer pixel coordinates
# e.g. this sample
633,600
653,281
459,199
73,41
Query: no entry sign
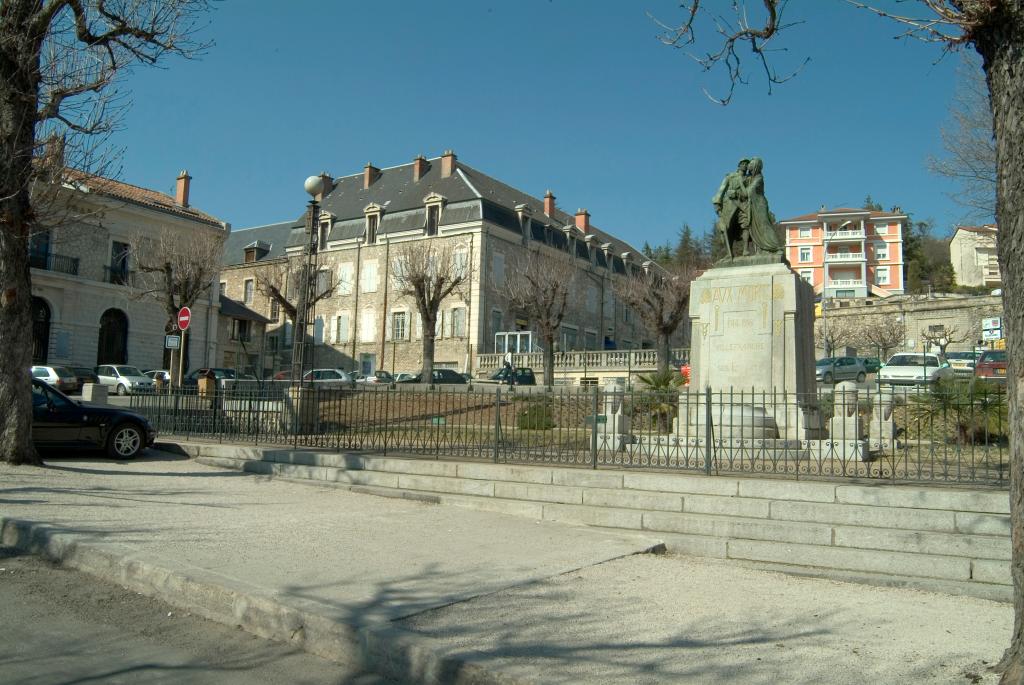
184,318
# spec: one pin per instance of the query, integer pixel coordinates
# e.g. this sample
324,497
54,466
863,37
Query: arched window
40,330
113,340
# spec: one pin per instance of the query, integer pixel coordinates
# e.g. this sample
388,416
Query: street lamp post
314,185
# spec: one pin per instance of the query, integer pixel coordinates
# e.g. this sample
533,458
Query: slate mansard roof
272,237
470,195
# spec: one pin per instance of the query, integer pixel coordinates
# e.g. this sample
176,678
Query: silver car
124,379
331,379
833,369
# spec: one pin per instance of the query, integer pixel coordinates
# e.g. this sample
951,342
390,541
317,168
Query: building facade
85,308
972,251
367,220
848,253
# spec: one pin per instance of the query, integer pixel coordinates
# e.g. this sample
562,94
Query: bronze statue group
743,214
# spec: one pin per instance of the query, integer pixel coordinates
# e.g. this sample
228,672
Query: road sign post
184,320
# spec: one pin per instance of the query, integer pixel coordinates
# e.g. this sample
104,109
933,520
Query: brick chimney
447,164
328,185
549,203
419,168
583,220
370,175
181,192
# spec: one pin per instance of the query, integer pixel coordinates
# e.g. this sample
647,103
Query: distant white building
83,312
972,250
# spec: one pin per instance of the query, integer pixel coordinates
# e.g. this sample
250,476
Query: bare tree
969,144
280,281
427,272
995,29
833,333
536,287
941,337
884,333
661,298
176,269
57,59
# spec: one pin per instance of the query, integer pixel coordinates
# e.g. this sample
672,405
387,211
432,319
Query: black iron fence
955,432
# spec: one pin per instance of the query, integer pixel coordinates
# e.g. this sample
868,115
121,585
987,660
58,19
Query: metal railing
54,262
118,275
953,433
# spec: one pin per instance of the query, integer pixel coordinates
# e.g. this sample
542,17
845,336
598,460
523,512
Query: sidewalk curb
385,649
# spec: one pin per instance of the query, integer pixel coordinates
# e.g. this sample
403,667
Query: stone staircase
945,539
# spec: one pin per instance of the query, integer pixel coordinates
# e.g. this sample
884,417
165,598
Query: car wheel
861,377
121,390
125,442
827,378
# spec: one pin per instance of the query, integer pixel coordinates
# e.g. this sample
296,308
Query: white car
58,377
914,368
162,374
125,379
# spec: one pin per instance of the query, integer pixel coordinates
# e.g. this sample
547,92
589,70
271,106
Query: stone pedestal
301,410
882,428
613,432
94,393
845,428
753,332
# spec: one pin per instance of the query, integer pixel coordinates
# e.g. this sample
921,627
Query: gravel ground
671,619
73,628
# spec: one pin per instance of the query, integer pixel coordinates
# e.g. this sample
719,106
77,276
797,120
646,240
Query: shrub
537,416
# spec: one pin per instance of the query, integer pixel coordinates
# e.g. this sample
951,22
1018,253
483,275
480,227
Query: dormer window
372,212
433,203
325,230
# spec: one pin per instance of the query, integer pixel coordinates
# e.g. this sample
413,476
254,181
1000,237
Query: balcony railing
844,256
54,262
596,360
118,275
855,234
845,283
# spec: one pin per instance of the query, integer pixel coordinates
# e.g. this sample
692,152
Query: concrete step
947,539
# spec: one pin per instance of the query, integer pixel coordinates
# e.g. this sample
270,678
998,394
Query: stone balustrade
598,360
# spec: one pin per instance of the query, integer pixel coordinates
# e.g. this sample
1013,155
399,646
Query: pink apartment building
848,253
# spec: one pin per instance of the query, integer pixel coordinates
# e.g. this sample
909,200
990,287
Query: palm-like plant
977,409
659,397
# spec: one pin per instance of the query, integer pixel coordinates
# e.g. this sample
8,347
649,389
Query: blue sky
573,95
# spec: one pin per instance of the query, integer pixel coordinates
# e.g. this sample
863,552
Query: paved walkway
533,601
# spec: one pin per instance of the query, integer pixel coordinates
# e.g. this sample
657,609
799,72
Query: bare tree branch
427,272
536,287
661,297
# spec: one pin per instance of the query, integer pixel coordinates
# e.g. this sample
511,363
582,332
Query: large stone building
848,253
368,218
972,251
85,309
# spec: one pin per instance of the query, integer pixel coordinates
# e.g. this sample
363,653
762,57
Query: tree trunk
19,84
663,353
549,360
1001,44
428,351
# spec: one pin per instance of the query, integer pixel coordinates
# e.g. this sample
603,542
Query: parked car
330,379
871,364
376,377
220,374
403,377
440,377
59,377
84,375
283,375
962,363
522,376
914,368
59,421
992,365
124,379
163,374
832,369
